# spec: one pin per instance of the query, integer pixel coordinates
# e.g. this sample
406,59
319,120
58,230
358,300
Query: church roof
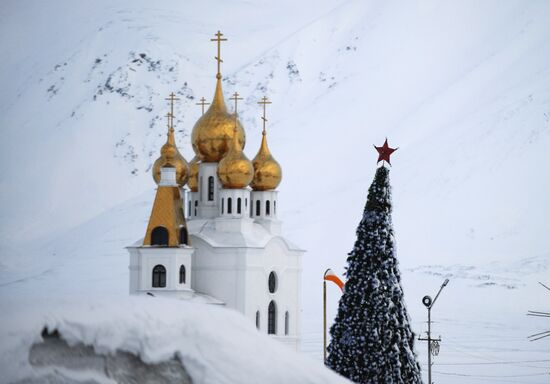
255,236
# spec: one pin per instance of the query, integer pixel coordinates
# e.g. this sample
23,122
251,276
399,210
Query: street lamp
429,303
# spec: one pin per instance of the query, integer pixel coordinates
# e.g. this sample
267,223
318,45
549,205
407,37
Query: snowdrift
213,344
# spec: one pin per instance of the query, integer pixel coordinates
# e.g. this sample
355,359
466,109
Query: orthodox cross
264,102
218,58
236,98
203,103
171,98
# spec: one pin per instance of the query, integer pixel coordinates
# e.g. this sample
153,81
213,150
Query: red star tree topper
384,152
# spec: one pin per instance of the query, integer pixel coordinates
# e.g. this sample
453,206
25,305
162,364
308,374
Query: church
213,234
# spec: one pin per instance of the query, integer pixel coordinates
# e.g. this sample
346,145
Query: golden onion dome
169,155
193,181
235,170
267,171
212,133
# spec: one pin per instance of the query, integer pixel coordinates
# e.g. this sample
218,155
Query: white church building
227,246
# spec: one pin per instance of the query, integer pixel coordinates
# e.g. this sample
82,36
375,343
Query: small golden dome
267,171
235,170
169,155
212,133
193,181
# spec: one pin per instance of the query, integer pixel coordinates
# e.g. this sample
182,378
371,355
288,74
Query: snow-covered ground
463,88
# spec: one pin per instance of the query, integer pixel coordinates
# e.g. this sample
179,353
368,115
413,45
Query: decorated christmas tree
371,339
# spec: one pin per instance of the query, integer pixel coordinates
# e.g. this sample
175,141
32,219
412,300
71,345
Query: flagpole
325,317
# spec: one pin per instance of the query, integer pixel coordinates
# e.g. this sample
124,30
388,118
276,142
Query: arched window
272,282
159,276
159,236
239,205
201,189
272,318
196,203
211,188
229,207
267,208
286,323
275,207
223,201
245,202
189,208
182,275
258,319
257,207
183,236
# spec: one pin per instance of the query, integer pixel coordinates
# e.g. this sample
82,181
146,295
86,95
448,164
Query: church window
159,276
257,207
223,202
189,208
245,202
159,236
182,276
267,208
211,188
239,205
286,323
272,318
274,207
229,205
272,282
196,203
184,236
258,319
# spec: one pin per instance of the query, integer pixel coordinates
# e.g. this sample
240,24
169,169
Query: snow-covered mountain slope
462,88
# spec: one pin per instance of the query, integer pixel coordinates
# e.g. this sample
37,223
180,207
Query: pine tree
372,341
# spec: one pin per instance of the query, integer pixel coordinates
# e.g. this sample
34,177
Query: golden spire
169,153
212,134
267,171
167,213
202,104
235,170
218,58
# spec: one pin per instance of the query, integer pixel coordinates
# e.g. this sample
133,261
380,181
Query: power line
495,376
498,362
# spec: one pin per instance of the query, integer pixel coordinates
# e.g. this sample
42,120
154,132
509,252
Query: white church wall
144,259
208,196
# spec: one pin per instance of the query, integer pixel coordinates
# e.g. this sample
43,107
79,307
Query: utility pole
432,343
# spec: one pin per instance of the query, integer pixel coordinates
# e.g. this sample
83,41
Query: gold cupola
235,171
267,171
212,134
169,154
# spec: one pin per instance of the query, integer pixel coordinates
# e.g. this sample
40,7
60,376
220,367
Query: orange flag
331,276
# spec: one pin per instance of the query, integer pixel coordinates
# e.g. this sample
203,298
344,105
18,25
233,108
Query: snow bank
214,344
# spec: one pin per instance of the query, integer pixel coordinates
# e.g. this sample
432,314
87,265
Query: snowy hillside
462,88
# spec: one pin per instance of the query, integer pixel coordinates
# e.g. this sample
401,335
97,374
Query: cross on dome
219,40
235,98
264,102
202,104
171,98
